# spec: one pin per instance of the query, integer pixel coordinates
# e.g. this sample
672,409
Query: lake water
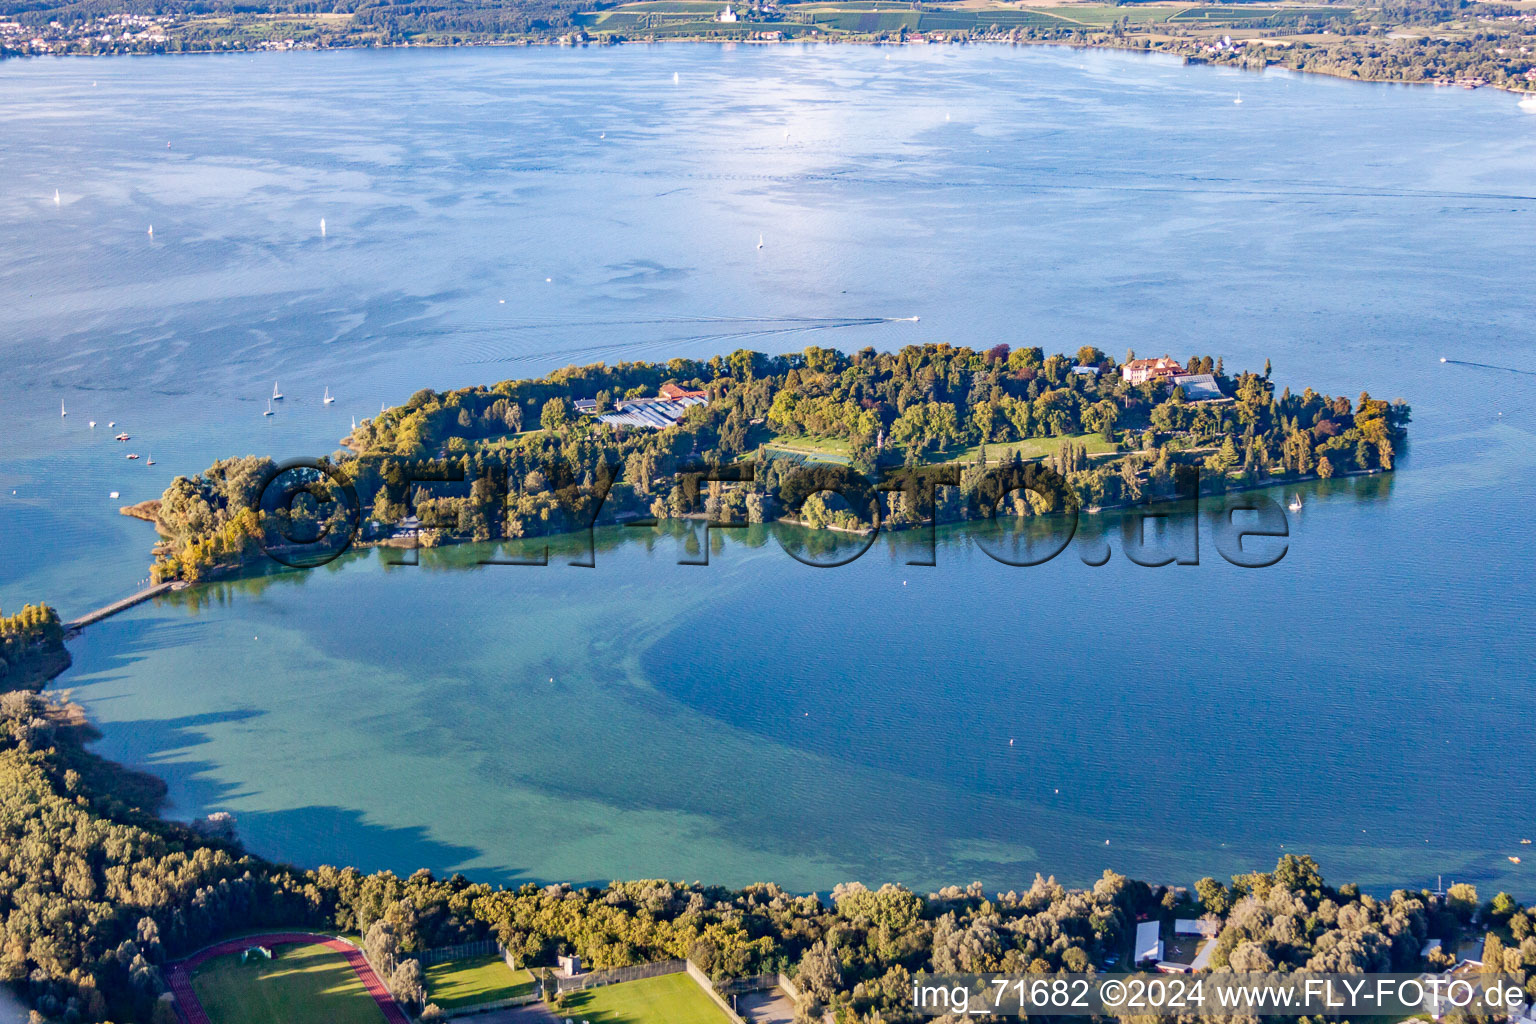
495,213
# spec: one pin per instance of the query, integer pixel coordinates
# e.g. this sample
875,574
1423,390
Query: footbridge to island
107,611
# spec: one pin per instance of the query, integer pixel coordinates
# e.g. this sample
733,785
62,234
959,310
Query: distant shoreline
817,41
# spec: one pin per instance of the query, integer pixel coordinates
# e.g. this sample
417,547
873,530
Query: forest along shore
164,890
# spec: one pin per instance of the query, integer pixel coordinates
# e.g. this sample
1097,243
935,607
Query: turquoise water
497,213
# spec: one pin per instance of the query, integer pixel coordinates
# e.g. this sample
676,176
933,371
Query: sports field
669,999
475,980
306,984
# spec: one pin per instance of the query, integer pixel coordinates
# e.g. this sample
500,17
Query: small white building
727,15
1201,926
570,966
1149,944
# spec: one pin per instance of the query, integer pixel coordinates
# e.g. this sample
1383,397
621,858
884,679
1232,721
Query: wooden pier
117,606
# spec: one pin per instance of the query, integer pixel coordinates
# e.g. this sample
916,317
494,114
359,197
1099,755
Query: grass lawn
506,440
474,980
1182,949
1030,448
669,999
299,985
807,443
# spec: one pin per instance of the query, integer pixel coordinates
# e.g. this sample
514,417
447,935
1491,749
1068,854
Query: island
917,436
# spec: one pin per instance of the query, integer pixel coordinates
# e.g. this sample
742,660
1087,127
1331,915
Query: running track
192,1011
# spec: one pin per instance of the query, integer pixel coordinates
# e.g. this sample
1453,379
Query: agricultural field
871,17
299,985
669,999
475,980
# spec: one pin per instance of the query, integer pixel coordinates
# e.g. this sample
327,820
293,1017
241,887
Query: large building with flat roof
1199,387
654,413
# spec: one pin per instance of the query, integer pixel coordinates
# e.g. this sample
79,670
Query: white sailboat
322,227
1528,103
674,78
92,424
1295,505
56,200
354,424
151,231
1239,98
62,411
269,408
328,399
759,241
277,396
149,460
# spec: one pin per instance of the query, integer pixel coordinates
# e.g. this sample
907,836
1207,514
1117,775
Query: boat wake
1489,366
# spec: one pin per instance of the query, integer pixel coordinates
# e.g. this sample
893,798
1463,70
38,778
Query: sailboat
92,424
151,231
322,227
149,459
354,424
56,199
674,78
1239,98
277,396
759,241
328,399
1528,103
62,412
1295,503
269,408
